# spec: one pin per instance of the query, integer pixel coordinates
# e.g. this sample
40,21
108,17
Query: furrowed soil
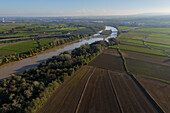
150,59
109,60
160,91
99,96
66,97
132,99
100,87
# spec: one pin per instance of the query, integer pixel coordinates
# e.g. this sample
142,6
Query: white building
3,20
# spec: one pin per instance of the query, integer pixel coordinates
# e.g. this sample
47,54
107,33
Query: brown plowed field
99,89
99,96
66,97
147,58
132,99
108,60
160,91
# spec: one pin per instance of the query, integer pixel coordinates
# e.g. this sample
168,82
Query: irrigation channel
20,66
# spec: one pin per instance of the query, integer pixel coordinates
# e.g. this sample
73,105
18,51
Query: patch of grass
135,41
124,27
131,35
161,80
158,40
21,47
70,28
140,49
159,35
139,67
162,30
6,52
44,42
160,45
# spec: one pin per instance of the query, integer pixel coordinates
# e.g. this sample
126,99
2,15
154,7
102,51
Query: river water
20,66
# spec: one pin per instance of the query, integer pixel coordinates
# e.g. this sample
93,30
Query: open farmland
140,67
156,30
21,47
148,42
97,89
25,30
160,91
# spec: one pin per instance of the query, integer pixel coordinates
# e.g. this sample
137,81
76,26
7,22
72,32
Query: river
19,66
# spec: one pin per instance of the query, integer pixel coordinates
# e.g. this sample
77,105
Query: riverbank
20,66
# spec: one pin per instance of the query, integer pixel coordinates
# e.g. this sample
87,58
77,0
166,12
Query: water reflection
20,66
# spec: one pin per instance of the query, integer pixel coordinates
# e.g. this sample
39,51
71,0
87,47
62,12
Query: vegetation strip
115,93
161,80
36,85
163,51
84,89
150,98
37,48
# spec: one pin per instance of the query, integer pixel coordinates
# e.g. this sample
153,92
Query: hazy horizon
56,8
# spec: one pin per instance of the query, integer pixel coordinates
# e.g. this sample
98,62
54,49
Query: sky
55,8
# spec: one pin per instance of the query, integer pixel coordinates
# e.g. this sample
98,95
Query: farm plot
99,96
156,30
20,47
131,98
65,99
139,67
97,89
107,60
160,91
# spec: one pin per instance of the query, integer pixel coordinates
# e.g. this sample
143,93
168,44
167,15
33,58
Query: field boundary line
84,89
115,93
63,85
148,96
70,89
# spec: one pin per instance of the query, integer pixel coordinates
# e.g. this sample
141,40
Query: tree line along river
19,66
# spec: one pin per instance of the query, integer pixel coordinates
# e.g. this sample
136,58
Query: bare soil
66,97
109,60
99,96
150,59
99,88
160,92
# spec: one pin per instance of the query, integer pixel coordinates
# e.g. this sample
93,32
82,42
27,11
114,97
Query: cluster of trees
35,51
25,93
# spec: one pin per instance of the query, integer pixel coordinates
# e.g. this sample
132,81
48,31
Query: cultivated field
24,29
22,47
99,88
65,99
156,30
160,91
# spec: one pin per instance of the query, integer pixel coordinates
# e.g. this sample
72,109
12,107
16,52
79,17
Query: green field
44,42
21,47
160,45
135,41
161,30
132,35
132,42
159,38
6,52
24,30
124,27
142,68
142,50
